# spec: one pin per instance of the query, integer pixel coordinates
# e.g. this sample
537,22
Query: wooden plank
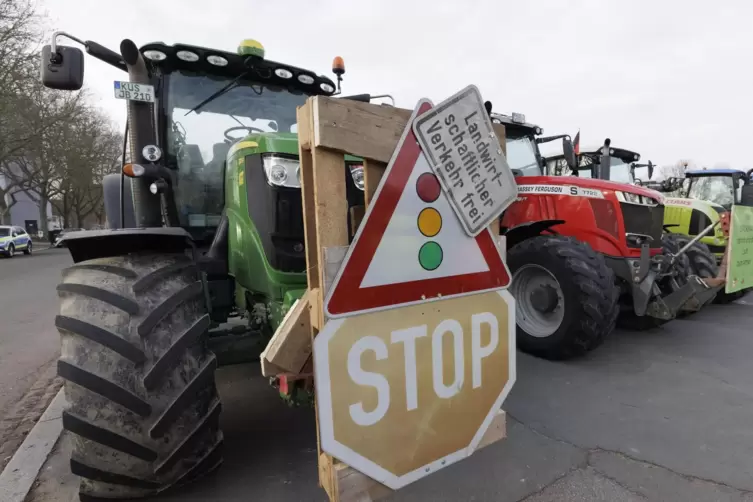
315,310
330,205
354,486
356,216
372,175
307,194
327,207
290,346
268,369
362,129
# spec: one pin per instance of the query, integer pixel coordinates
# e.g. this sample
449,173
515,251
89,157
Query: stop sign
404,392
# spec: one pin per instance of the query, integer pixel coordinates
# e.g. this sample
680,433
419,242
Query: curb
19,475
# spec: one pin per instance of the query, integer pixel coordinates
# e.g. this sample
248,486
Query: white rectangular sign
560,190
458,139
134,92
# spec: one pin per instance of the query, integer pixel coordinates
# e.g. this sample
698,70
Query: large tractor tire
565,297
139,381
701,261
671,243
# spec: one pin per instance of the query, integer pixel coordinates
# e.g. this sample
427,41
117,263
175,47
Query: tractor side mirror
650,169
63,69
569,153
746,195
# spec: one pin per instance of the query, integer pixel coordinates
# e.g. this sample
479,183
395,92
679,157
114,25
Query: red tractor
586,253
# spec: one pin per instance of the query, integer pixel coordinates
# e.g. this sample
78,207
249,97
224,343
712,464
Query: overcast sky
670,79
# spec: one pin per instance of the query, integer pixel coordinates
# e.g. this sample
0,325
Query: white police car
14,240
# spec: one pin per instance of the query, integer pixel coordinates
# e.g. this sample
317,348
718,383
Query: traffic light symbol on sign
429,222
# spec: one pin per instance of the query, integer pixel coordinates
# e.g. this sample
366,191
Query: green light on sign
430,255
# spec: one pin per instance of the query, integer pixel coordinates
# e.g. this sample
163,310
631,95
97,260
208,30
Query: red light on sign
427,187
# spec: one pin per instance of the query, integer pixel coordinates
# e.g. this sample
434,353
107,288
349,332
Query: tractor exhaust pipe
147,207
605,164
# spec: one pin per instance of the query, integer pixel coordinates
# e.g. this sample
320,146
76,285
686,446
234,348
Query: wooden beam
305,130
268,369
290,346
362,129
352,485
372,175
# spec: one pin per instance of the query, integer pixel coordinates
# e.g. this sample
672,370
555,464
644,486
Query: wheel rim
539,301
11,251
28,247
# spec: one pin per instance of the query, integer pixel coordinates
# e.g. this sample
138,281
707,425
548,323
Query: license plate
134,92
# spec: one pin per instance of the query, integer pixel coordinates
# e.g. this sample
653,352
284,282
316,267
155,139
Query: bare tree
94,150
38,166
20,30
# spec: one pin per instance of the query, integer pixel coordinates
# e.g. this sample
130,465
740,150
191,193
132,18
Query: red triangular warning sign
410,246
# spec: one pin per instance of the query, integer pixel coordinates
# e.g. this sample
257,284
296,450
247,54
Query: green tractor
703,195
205,231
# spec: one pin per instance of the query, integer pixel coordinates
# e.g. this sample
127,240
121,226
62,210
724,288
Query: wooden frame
328,128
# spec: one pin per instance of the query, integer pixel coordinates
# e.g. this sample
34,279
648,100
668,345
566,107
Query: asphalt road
29,344
28,303
658,416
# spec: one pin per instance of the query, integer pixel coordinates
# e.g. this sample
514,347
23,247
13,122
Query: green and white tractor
702,196
206,230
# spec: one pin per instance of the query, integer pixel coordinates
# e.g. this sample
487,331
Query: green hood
271,142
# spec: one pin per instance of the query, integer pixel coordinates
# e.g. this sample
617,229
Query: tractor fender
111,194
91,244
524,231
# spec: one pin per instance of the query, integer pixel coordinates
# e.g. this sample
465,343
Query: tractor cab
522,143
211,155
193,113
720,186
217,110
617,165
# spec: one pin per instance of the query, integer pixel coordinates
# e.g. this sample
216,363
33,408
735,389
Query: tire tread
134,358
597,294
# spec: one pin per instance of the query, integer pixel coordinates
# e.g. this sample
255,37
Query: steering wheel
248,129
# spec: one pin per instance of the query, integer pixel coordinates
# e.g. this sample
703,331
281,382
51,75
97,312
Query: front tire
27,251
139,381
11,251
671,244
565,296
701,262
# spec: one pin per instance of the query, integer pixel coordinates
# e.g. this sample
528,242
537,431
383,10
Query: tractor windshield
521,155
718,189
198,142
619,171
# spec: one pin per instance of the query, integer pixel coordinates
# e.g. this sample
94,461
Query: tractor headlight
634,198
281,171
356,172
